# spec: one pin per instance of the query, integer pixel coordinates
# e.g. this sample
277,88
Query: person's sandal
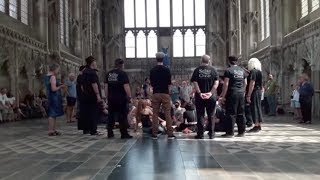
52,134
57,133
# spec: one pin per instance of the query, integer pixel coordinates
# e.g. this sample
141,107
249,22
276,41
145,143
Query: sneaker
249,125
227,136
198,137
96,133
154,137
110,135
240,135
172,137
126,136
211,136
255,129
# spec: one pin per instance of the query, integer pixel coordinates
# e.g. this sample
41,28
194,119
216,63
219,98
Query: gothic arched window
17,9
166,17
24,11
130,45
141,13
304,8
152,44
200,14
264,19
189,44
64,22
200,43
141,45
178,44
13,4
129,13
188,13
151,13
177,13
315,4
164,13
2,6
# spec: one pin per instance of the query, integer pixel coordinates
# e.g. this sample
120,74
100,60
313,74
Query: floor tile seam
99,172
300,167
254,172
237,159
66,160
17,172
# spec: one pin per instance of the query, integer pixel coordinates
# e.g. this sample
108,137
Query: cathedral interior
283,34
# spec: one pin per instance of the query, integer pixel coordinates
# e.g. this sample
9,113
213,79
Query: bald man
206,80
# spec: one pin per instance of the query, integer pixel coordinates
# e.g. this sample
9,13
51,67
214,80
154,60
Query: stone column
98,36
53,27
253,24
289,14
114,31
276,22
233,29
41,19
76,32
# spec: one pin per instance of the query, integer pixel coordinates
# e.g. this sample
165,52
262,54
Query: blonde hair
254,63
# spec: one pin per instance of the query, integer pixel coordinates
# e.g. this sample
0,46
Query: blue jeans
272,101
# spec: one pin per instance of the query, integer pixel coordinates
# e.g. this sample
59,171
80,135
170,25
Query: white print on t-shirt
113,77
238,74
204,73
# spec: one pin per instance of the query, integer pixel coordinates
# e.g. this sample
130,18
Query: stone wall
27,50
291,49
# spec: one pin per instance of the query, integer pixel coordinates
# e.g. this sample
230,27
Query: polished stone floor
283,150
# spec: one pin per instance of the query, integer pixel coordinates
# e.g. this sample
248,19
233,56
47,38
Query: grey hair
53,67
254,63
205,59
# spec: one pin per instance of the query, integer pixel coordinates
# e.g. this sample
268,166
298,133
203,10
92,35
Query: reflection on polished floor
283,150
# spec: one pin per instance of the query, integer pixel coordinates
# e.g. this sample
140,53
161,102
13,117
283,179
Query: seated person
6,106
144,116
219,118
178,113
189,120
132,114
103,113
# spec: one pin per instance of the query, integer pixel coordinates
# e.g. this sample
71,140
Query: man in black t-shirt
206,80
233,94
91,97
80,98
118,93
160,79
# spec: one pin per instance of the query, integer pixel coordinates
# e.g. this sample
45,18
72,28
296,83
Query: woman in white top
295,104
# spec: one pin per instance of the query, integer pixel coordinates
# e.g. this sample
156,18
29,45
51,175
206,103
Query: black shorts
71,101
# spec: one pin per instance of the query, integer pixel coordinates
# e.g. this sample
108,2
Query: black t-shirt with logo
205,76
236,77
160,79
116,79
256,76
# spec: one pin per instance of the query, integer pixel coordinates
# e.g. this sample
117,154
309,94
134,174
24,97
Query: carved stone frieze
8,33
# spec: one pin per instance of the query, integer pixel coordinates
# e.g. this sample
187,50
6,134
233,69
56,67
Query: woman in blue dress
55,107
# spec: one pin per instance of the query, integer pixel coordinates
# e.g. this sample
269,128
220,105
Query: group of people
301,99
33,105
162,106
